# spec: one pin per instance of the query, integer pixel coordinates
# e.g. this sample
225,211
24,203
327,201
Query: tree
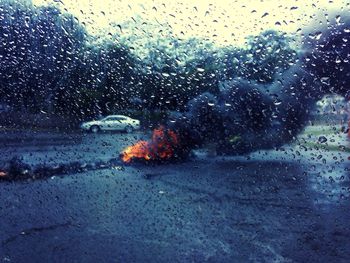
176,71
39,48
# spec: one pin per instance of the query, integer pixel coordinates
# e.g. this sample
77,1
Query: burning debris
163,145
246,116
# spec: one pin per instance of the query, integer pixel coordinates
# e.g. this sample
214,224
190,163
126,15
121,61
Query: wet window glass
174,131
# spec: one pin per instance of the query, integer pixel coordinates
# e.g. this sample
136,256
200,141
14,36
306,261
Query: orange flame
161,146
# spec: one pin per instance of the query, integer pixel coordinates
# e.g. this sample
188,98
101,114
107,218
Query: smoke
247,116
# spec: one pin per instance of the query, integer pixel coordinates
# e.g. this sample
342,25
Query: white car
112,123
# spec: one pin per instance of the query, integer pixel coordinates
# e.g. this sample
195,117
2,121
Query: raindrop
322,139
337,19
316,35
120,28
342,148
277,102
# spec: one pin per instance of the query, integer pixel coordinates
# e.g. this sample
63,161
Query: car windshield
175,131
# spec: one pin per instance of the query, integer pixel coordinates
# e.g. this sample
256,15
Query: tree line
49,63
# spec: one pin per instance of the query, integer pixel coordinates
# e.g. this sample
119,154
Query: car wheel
95,129
129,129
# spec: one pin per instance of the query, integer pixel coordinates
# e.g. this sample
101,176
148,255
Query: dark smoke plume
247,116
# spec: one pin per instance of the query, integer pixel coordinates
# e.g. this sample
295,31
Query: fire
3,174
162,146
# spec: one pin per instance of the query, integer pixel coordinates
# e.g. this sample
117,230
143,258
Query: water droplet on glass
322,139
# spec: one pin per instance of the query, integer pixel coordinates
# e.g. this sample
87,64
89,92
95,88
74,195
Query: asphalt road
55,148
290,205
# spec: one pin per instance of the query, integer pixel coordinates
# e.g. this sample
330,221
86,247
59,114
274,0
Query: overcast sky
223,22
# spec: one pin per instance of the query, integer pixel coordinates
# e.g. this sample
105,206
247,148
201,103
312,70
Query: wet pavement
289,205
56,148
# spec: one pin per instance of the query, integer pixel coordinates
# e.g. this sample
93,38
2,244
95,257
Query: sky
222,22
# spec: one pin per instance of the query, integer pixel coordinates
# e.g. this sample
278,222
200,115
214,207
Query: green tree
39,47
